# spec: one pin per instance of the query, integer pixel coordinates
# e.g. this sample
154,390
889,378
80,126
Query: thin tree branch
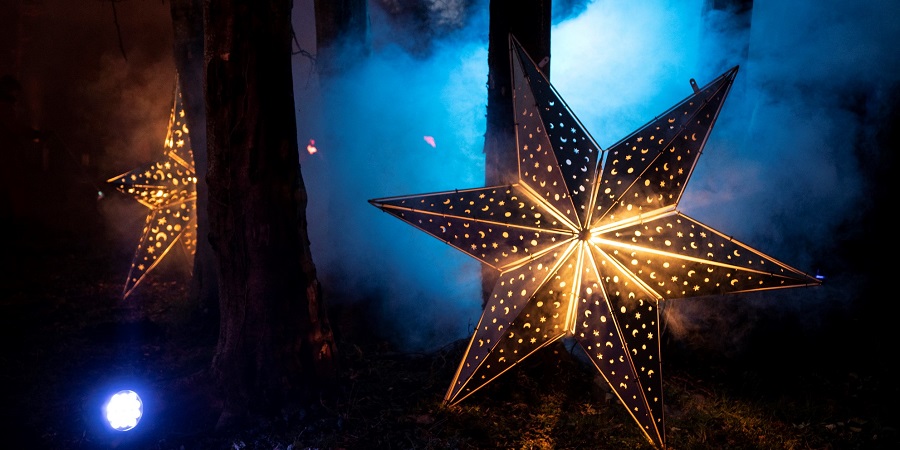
300,50
118,30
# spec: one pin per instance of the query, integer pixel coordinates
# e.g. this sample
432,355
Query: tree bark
275,344
529,22
342,34
187,25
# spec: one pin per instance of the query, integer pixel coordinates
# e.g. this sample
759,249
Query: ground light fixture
124,410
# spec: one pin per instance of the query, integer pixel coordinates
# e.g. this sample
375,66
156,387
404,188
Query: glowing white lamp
124,410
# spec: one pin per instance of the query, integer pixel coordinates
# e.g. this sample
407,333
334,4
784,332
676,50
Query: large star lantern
168,187
589,243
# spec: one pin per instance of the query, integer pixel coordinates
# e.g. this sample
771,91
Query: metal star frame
589,243
167,187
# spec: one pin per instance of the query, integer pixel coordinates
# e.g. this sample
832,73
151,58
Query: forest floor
70,339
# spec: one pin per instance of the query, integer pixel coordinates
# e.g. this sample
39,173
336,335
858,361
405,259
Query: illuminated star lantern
589,243
168,187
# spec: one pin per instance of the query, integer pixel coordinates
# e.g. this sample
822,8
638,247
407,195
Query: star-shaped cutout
168,187
588,243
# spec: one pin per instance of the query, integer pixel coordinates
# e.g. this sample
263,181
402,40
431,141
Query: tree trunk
529,22
187,24
342,34
275,344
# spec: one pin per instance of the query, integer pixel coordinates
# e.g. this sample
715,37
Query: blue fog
777,173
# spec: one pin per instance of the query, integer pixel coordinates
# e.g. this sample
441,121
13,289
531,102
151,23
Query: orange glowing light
311,147
168,188
590,247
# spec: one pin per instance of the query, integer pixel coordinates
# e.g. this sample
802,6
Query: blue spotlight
124,409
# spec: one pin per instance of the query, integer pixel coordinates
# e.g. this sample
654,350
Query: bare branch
118,30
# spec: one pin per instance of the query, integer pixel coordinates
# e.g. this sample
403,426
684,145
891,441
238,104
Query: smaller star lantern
589,243
168,187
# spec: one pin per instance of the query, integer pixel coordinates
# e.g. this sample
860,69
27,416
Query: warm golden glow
168,188
589,247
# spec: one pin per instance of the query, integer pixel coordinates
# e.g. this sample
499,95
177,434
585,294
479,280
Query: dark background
800,166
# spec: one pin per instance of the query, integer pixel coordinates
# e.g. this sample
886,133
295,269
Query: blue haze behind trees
781,171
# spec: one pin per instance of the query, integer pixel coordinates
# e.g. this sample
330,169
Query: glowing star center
584,235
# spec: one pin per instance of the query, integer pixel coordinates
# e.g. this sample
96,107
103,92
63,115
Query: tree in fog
529,22
275,344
